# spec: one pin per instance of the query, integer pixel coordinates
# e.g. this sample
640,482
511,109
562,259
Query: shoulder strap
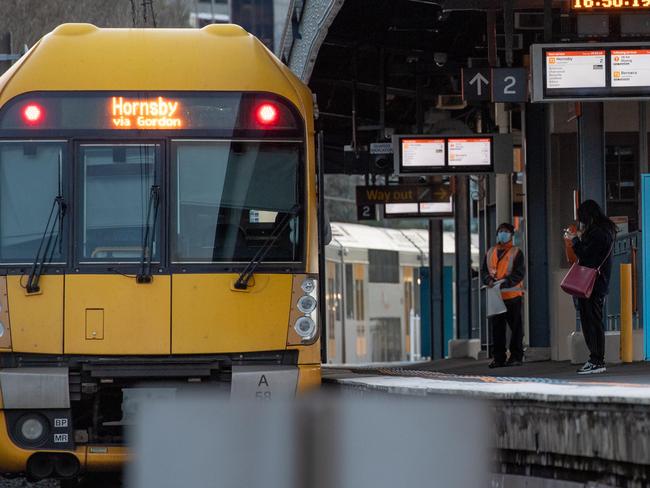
608,253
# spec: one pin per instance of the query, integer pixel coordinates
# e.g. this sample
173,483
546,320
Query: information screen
575,69
469,152
419,210
432,155
423,153
630,68
590,71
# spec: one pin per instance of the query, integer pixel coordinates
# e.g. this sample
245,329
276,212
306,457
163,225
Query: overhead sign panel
476,84
595,71
440,155
510,85
432,193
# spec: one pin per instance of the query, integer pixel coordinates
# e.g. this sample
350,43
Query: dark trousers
512,317
591,319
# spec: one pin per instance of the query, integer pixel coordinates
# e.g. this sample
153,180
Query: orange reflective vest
501,268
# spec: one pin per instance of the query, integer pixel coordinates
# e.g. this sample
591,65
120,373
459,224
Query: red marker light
267,114
33,114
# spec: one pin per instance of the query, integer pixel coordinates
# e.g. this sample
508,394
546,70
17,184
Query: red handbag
579,281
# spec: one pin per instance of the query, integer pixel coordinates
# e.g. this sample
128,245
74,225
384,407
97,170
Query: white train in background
373,292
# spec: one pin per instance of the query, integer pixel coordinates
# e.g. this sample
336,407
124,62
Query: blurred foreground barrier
318,442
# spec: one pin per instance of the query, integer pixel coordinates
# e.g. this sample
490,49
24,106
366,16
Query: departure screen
444,154
423,153
575,69
630,68
579,72
469,152
419,210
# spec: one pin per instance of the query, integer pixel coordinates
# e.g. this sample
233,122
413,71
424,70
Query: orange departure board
611,5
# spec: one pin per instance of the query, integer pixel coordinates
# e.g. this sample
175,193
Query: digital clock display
583,5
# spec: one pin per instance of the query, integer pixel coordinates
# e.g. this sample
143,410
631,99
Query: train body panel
181,244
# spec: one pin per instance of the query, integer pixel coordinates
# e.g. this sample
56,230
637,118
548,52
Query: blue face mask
503,237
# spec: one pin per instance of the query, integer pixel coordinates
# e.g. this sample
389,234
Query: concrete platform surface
545,381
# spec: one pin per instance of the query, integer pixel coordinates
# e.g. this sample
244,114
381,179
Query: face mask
503,237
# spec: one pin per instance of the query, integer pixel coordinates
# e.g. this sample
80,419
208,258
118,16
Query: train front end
157,232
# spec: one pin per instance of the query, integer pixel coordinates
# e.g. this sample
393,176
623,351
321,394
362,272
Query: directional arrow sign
476,84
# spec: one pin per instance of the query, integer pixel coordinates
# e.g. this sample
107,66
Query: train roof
77,57
403,240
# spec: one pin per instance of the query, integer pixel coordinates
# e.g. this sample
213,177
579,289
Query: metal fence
625,251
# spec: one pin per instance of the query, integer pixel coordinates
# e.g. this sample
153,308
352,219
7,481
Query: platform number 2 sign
366,212
509,85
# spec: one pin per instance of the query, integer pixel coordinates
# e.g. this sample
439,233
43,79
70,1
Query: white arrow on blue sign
476,84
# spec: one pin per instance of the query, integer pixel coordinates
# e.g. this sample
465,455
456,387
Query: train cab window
30,180
234,197
118,202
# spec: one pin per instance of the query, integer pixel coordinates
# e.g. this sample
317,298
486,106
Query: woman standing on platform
593,246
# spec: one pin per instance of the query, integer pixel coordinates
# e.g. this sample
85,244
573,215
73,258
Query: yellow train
157,228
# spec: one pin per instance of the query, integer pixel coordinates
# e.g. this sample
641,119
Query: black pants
591,319
512,317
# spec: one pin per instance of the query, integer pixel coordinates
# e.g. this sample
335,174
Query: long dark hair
590,214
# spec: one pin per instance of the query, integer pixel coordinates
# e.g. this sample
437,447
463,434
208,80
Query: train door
409,312
333,304
117,236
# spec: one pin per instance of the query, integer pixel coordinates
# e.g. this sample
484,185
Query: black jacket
592,250
518,270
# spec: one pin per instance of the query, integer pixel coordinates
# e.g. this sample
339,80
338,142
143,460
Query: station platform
547,420
546,381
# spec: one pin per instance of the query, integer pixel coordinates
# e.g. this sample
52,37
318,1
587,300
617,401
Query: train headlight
308,285
305,327
2,329
307,304
32,428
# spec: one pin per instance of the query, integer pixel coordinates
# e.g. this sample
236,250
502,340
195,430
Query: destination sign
590,71
403,194
469,152
158,113
575,69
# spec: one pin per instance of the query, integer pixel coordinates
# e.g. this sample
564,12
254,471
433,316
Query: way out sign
476,84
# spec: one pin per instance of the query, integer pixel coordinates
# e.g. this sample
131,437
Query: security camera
440,59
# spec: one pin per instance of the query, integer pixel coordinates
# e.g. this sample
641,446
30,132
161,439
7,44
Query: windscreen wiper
47,245
149,235
247,273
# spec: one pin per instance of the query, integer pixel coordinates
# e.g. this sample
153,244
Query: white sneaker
591,368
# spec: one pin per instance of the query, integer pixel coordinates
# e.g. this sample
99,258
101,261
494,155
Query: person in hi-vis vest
505,263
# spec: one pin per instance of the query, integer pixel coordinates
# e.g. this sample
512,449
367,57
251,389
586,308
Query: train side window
31,175
349,292
359,280
383,266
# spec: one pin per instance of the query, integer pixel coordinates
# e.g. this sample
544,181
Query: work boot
514,362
